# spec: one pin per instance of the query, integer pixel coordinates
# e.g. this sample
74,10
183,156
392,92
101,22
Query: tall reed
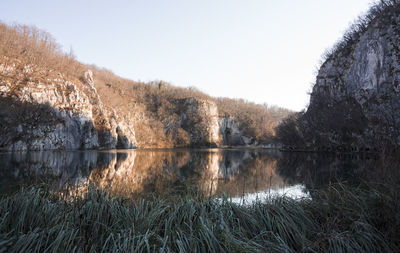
339,219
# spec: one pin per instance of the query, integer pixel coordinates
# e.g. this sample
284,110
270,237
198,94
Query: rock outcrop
232,134
49,100
56,113
41,111
199,118
356,99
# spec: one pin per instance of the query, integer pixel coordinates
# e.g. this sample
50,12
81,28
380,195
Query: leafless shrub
32,46
383,8
258,121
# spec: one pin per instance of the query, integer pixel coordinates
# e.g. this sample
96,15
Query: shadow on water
238,173
317,170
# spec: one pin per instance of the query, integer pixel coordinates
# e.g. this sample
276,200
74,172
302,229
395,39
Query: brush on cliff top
118,113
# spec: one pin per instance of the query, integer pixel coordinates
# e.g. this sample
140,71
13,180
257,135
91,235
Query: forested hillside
56,102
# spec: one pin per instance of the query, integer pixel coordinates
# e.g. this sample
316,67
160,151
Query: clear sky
259,50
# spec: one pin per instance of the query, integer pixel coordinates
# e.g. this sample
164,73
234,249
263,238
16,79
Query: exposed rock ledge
42,110
355,102
56,113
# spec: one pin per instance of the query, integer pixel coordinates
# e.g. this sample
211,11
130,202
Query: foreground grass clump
336,220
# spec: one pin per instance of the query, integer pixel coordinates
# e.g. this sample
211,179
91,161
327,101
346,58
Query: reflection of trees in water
248,172
210,172
134,172
316,170
214,171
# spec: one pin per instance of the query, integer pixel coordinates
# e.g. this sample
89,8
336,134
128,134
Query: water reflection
237,173
243,174
59,168
317,170
297,191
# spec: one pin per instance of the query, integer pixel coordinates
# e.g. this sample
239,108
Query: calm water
242,174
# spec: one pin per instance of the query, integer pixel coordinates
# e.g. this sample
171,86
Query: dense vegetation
330,125
259,121
154,106
339,219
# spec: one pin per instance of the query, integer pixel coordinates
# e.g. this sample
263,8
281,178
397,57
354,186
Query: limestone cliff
43,110
164,117
356,98
232,134
49,100
200,119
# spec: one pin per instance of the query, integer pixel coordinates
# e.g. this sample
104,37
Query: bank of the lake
337,219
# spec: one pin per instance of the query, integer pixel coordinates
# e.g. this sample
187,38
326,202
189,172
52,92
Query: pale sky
265,51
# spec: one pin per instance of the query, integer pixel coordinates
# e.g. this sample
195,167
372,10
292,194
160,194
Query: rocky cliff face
356,98
43,110
199,118
232,135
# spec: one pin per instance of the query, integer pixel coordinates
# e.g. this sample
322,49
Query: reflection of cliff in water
133,172
237,172
316,170
57,168
243,172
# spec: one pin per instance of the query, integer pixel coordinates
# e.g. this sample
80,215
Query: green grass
339,219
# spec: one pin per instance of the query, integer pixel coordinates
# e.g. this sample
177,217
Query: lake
243,175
